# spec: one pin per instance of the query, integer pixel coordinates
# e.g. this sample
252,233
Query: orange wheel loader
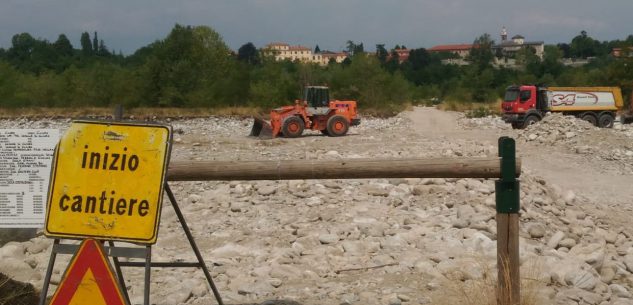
316,112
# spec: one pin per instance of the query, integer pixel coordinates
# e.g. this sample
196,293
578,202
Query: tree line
193,67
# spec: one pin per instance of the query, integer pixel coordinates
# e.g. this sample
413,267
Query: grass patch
483,290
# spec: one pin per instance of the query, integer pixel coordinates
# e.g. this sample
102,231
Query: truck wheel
292,127
531,120
337,126
605,121
590,118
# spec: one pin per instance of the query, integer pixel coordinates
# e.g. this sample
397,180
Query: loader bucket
261,129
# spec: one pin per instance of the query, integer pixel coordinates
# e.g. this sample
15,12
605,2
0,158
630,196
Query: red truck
527,104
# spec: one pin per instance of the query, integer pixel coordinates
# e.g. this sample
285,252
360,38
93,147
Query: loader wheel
337,126
292,127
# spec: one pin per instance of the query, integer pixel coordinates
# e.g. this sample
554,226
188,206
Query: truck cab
524,105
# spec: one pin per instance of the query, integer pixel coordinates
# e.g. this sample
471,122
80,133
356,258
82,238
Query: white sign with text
25,166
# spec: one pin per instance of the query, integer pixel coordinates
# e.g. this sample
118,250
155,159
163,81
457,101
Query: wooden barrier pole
507,201
336,169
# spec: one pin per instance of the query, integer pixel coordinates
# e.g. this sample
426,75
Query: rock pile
556,128
573,135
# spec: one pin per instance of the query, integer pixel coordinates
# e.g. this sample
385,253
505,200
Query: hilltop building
459,51
622,52
328,56
505,51
509,48
283,51
403,55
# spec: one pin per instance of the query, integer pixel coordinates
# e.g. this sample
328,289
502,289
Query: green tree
95,44
365,81
526,57
551,64
481,55
62,46
248,53
274,84
86,46
353,48
186,67
393,62
103,50
317,50
583,46
22,47
31,55
417,67
381,53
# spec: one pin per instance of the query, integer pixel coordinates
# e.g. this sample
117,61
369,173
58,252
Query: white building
283,51
509,48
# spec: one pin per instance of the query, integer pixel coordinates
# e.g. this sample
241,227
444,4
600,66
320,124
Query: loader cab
317,96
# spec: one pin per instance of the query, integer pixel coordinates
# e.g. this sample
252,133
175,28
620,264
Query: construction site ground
387,241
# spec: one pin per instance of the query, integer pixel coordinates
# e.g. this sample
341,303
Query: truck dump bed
563,99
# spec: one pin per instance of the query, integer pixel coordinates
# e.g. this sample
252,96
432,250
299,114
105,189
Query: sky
127,25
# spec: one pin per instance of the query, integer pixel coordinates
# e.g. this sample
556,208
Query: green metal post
507,188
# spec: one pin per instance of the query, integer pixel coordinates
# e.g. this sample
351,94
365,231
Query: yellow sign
107,181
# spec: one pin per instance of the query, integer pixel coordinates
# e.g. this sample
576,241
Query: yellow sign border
167,156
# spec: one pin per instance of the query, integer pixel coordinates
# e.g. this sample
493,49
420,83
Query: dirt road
555,163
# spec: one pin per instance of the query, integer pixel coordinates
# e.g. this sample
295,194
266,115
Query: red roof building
619,52
462,50
403,54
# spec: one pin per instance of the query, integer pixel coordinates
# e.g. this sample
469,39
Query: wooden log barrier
336,169
506,168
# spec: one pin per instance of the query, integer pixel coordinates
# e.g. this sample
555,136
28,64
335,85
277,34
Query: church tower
504,34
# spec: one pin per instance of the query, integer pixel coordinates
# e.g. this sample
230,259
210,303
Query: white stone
583,279
12,250
620,291
536,230
328,238
555,239
267,190
354,247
